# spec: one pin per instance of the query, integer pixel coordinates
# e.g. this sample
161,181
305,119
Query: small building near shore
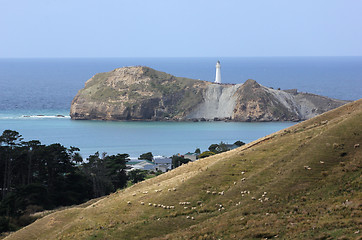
140,165
192,156
163,164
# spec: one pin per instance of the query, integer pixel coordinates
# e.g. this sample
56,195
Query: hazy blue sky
180,28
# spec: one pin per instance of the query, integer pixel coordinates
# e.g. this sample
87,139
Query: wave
35,117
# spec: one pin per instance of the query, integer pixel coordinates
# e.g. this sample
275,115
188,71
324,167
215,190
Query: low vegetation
299,183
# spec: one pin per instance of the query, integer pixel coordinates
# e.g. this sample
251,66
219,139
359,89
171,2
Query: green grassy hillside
300,183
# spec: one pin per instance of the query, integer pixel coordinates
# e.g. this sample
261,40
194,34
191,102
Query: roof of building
162,160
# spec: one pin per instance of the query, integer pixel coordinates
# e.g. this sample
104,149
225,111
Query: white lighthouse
218,73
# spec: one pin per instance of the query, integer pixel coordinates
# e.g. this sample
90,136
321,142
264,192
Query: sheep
307,168
142,203
187,217
208,192
149,204
185,207
253,198
356,145
129,202
221,193
321,162
192,218
214,193
243,173
173,189
243,179
145,192
193,208
234,183
133,194
155,205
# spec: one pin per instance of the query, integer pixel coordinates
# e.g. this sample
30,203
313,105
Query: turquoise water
135,138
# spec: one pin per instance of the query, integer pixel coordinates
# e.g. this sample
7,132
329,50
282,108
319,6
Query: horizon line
179,57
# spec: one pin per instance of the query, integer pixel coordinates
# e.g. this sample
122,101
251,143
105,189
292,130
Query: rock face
137,93
142,93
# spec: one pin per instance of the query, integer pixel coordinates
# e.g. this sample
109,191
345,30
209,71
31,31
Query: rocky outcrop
142,93
137,93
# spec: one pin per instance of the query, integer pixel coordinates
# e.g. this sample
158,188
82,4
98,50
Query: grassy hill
300,183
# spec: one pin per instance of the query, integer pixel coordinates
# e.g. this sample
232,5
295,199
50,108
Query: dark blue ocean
47,86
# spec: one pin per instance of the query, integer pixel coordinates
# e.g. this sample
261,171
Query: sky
180,28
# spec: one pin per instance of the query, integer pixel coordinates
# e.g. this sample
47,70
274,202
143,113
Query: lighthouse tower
218,73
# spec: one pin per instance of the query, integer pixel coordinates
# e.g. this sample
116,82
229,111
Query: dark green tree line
35,177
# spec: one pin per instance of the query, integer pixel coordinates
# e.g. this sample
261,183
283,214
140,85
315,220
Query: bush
206,154
239,143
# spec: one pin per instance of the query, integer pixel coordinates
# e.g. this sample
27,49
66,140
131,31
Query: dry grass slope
299,183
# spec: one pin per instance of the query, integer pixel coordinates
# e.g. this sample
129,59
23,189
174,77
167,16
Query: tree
198,151
31,147
35,177
179,160
9,141
146,156
239,143
212,148
218,148
137,175
116,165
95,169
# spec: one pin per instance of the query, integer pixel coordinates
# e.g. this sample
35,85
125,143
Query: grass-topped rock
142,93
137,93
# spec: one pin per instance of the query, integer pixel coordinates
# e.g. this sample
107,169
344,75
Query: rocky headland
142,93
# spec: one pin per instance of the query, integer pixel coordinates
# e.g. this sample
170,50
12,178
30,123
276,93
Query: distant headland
142,93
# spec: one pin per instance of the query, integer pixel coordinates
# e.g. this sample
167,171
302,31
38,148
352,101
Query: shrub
206,154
